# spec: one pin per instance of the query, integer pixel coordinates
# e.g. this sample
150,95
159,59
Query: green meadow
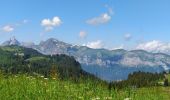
25,87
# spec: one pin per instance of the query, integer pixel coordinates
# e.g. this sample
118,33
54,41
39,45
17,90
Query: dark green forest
140,79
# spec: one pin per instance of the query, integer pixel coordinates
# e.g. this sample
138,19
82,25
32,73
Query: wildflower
42,76
108,98
97,98
127,99
45,78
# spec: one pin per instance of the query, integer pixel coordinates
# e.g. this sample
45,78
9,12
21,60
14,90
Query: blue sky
95,23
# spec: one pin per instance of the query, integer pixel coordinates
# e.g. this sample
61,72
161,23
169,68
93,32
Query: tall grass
24,87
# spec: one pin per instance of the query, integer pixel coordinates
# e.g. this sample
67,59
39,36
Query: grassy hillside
24,87
16,59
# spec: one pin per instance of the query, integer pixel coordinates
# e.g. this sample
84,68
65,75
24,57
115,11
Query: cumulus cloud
127,37
8,28
82,34
155,46
95,44
102,19
49,24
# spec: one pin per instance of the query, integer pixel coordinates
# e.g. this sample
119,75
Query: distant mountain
108,64
52,46
12,41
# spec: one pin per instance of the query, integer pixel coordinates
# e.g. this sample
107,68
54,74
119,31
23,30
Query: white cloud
127,37
13,26
102,19
110,10
95,44
82,34
155,46
49,24
8,28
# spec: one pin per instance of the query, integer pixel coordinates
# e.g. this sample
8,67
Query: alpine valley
109,65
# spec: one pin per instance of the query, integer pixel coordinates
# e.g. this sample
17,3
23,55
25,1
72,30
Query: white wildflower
45,78
108,98
97,98
127,99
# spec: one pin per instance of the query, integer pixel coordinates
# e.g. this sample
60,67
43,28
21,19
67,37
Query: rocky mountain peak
11,41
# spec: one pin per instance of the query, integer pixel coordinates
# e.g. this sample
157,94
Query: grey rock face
12,41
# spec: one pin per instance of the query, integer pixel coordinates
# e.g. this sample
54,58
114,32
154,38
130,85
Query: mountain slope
106,64
16,59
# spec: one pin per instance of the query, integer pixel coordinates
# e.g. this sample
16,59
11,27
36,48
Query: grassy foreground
23,87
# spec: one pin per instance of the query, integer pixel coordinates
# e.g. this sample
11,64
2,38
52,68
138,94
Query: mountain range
110,65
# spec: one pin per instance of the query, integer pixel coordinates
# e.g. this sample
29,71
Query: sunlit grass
24,87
